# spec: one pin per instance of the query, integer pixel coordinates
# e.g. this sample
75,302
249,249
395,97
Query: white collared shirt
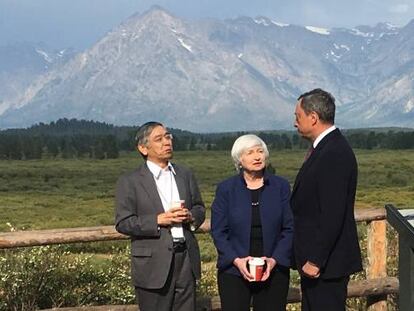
167,190
322,135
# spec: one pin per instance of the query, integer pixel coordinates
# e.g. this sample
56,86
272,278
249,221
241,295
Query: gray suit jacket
137,206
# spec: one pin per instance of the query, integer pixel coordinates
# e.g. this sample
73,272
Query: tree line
80,138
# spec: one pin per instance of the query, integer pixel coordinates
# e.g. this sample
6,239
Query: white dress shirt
322,135
168,192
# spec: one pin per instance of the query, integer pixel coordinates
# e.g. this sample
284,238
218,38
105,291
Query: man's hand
188,216
241,264
311,270
175,215
270,264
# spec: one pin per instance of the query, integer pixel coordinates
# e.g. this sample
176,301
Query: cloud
399,8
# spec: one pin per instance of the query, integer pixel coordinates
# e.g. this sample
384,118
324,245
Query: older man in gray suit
165,253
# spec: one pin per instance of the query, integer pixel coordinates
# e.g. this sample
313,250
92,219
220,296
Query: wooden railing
376,287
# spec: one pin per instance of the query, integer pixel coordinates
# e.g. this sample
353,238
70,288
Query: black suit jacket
322,203
137,206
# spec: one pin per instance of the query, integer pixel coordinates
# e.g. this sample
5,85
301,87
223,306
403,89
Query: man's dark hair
143,132
321,102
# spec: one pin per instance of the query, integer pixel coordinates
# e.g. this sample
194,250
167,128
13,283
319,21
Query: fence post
377,260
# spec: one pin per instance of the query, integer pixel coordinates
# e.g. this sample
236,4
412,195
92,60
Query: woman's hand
241,264
270,264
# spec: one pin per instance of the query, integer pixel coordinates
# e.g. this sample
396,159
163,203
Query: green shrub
45,277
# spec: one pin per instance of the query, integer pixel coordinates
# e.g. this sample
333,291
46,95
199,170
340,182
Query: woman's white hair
242,144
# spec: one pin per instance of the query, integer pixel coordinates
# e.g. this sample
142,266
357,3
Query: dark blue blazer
231,218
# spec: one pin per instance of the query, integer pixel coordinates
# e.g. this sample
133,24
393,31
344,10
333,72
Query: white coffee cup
178,204
256,267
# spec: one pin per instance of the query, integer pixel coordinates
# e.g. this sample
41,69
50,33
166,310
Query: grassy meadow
62,193
42,194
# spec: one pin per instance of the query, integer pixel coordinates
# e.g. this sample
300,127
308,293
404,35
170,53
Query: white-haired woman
251,217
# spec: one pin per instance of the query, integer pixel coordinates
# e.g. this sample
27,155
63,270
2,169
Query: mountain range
214,75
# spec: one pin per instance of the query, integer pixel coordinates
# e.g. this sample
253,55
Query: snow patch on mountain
45,56
409,106
261,21
280,24
319,30
357,32
184,45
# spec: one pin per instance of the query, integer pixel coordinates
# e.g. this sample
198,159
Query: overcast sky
80,23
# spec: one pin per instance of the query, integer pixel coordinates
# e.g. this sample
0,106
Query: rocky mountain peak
224,75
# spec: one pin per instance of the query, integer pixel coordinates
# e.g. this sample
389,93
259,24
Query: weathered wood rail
355,289
108,233
376,287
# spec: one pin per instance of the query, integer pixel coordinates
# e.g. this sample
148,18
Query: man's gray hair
143,132
321,102
242,144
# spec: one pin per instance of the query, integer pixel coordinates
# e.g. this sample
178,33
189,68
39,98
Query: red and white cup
256,267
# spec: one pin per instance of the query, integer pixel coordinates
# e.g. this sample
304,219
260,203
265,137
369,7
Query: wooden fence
376,287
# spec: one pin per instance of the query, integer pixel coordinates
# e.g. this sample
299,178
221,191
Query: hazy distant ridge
212,75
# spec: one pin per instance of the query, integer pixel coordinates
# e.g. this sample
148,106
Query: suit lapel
305,166
181,184
147,182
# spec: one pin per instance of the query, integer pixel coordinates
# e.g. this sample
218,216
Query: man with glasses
159,206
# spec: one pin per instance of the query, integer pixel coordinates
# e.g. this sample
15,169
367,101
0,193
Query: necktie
309,152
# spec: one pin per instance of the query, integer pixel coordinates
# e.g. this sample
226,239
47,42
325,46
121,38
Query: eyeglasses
167,136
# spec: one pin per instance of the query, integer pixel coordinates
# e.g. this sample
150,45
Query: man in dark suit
150,209
325,239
